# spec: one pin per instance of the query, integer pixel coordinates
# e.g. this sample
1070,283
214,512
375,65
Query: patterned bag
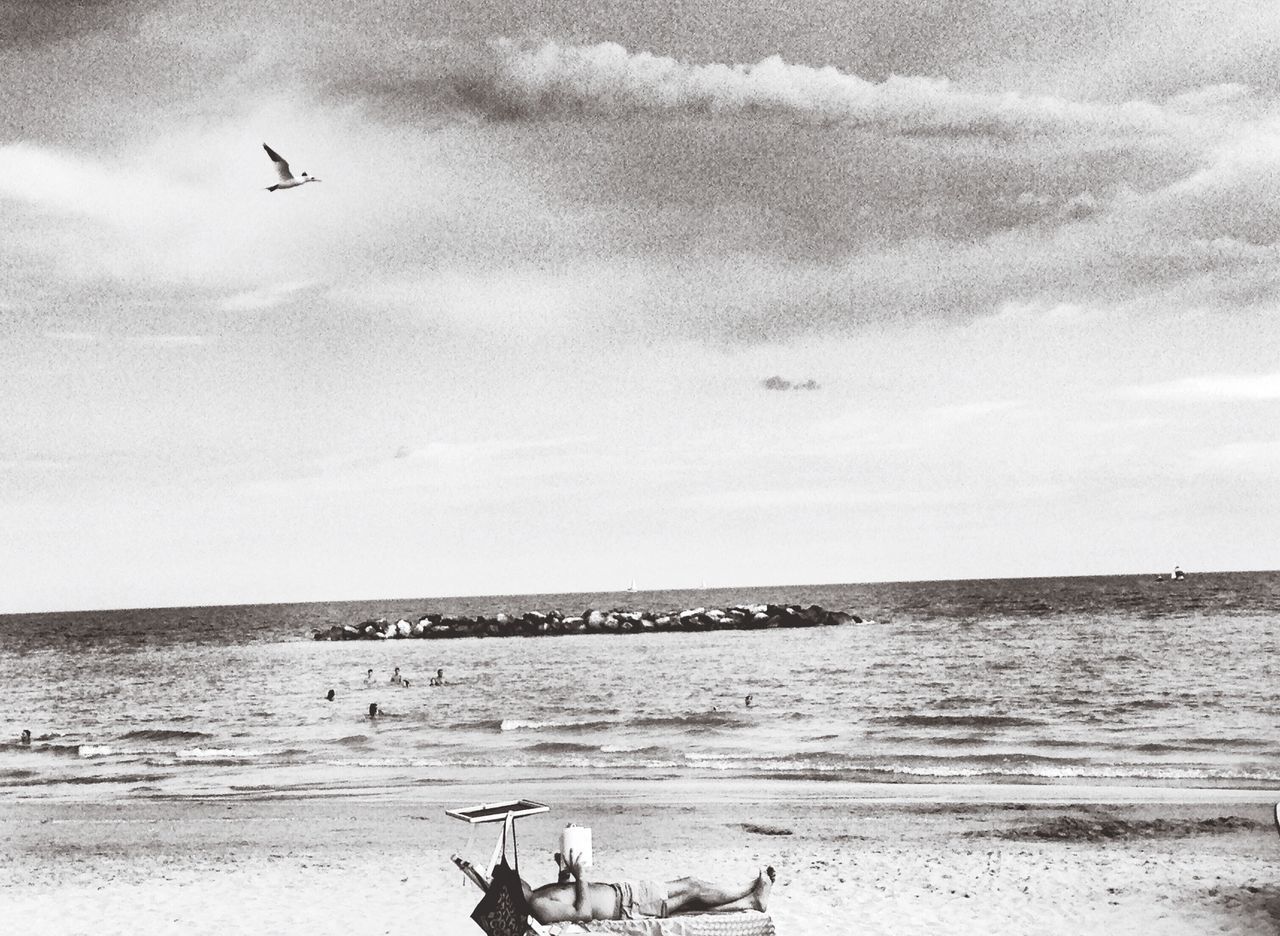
503,911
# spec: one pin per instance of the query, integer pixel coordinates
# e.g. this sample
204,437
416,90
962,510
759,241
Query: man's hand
573,862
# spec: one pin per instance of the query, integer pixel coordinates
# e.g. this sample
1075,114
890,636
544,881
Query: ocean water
1107,680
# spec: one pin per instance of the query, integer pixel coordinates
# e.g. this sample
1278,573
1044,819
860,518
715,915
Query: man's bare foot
764,884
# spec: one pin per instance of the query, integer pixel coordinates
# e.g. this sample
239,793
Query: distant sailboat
630,589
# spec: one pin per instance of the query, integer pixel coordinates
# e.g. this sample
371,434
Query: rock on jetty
538,623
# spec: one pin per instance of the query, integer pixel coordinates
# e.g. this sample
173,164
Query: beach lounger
733,923
730,923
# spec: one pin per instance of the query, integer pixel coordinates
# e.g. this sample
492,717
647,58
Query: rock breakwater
591,621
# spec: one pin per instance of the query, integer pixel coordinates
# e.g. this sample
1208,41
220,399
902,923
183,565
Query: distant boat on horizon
631,589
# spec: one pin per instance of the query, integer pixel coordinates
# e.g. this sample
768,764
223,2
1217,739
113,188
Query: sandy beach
850,858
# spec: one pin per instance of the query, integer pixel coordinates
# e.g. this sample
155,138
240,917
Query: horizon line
624,591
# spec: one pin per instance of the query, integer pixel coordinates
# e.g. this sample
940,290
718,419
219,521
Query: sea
1114,680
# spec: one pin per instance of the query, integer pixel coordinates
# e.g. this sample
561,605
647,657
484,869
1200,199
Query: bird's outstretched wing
282,167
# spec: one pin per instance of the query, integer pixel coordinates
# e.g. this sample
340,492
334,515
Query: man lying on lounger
581,901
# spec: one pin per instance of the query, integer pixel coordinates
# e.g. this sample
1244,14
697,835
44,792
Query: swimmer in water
373,709
368,680
438,678
329,695
396,678
26,737
749,698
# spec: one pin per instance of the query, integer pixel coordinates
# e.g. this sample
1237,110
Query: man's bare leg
758,899
689,894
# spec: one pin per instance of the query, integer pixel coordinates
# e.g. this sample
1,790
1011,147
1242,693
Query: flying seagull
287,180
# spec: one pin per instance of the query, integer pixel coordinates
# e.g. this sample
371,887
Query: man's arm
581,898
547,908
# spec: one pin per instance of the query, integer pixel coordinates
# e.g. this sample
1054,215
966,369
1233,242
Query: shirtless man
581,901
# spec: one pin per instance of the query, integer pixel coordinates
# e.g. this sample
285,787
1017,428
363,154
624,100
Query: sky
736,294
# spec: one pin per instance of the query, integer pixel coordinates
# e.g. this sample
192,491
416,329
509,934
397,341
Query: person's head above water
329,695
373,709
26,736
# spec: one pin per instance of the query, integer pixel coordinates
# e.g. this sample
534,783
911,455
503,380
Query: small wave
709,719
958,721
108,778
960,701
1214,744
206,754
740,757
355,740
95,750
691,722
520,724
1157,747
1077,772
629,749
63,750
163,734
1014,758
483,724
968,740
559,747
379,762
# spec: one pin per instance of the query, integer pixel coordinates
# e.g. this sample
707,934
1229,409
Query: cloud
63,182
514,81
447,470
72,337
1211,388
169,341
958,413
781,383
754,202
1233,194
265,297
1239,457
748,499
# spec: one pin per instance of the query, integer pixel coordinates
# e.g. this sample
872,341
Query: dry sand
850,859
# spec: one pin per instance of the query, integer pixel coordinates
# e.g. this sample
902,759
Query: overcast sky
1014,261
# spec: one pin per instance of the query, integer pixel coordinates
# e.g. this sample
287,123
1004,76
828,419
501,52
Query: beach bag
503,911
